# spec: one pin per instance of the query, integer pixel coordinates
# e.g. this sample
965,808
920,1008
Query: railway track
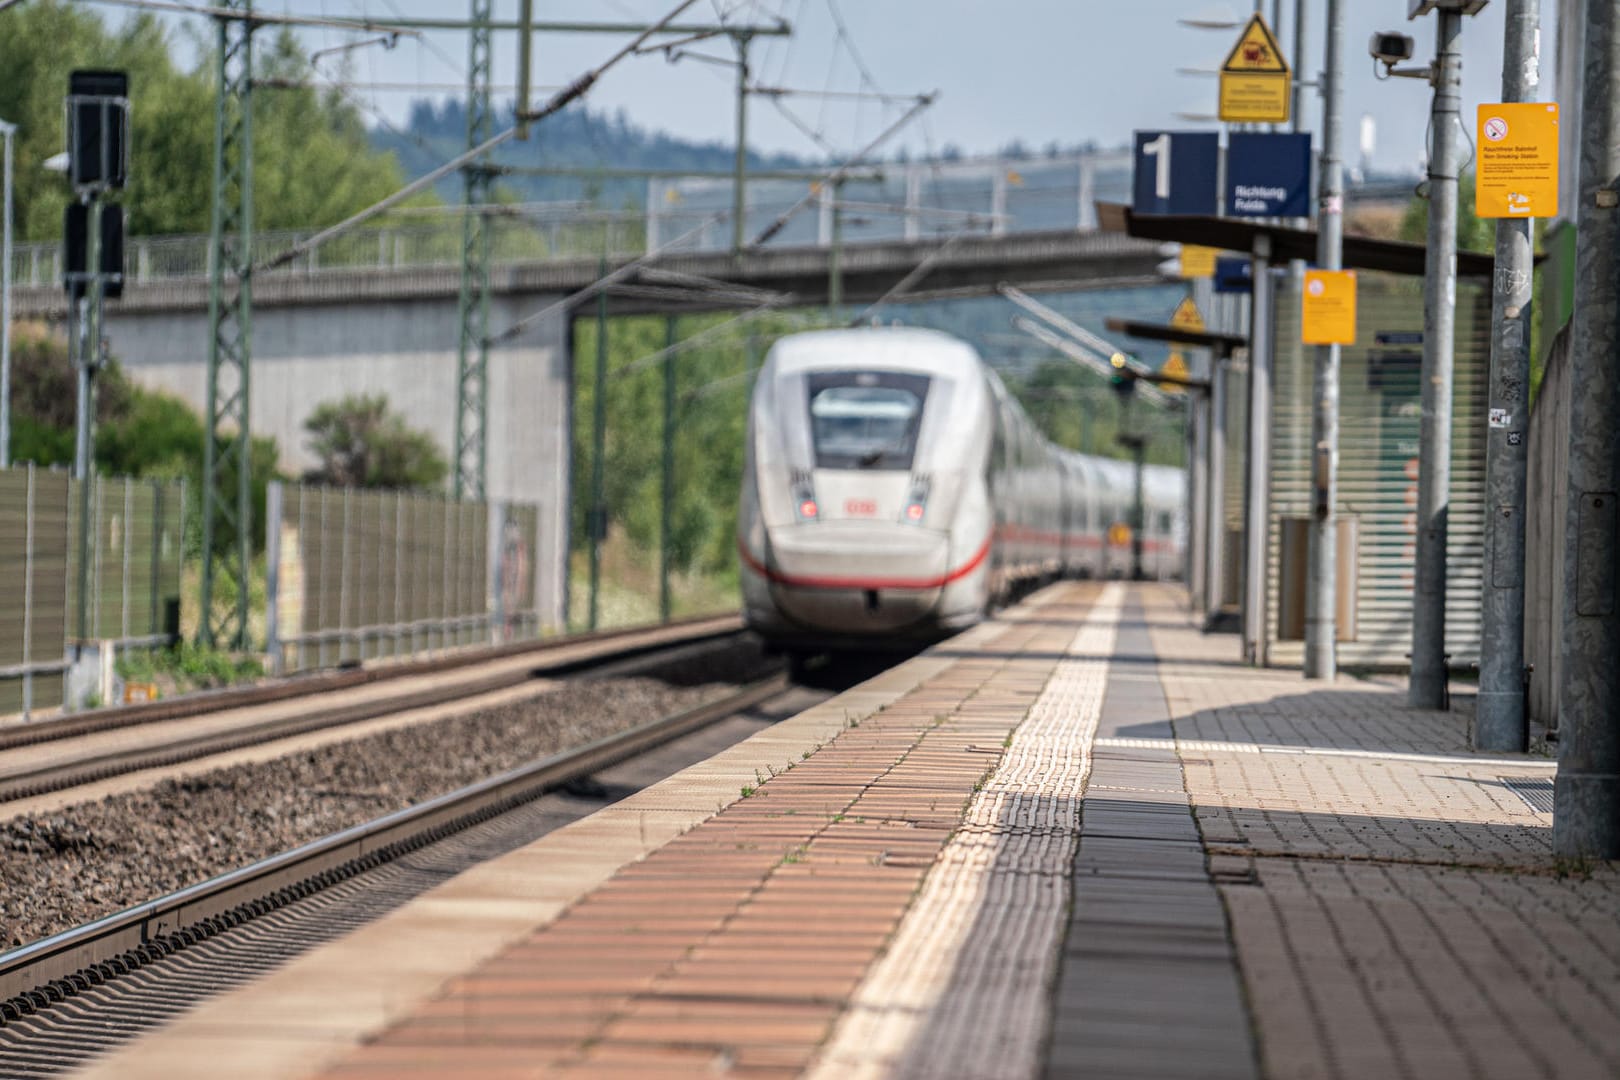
250,920
75,750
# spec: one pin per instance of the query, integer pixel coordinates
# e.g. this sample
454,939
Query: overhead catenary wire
564,97
263,18
838,174
601,283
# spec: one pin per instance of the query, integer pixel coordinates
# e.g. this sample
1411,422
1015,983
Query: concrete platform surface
1080,840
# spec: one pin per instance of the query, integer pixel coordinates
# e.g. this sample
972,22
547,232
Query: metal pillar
835,255
472,310
1321,600
227,456
1215,501
8,131
666,507
1499,718
739,179
1427,689
597,518
1198,497
1586,799
87,350
1256,484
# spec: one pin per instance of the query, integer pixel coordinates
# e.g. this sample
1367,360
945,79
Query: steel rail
55,968
296,686
57,776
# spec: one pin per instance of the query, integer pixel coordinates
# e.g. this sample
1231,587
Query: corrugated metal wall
368,574
1378,449
34,547
136,558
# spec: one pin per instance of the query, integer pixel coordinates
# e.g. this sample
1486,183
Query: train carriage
894,490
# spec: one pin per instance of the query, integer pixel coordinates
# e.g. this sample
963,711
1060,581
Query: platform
1079,840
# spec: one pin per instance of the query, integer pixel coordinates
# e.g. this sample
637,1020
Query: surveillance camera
1390,48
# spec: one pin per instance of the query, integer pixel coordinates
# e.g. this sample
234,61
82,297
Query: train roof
899,347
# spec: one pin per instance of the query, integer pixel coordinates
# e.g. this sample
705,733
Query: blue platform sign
1177,172
1234,274
1268,176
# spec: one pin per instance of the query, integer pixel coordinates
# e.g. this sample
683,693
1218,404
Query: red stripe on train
800,582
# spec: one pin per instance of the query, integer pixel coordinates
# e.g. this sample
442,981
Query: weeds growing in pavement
748,791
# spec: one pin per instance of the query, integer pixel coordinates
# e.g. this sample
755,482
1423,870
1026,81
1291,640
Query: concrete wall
308,353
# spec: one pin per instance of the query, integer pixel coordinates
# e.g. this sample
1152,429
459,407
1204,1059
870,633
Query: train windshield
866,419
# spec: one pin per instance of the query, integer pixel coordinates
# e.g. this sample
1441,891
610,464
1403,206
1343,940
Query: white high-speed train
894,491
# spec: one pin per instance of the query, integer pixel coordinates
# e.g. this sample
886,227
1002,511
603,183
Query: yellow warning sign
1197,262
1328,312
1256,83
1119,534
1175,368
1187,316
1518,161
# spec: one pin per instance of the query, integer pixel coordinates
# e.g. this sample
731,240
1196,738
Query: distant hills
576,138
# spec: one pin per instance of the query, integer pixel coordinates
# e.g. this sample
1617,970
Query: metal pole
1586,799
1138,446
525,54
667,500
1499,719
739,180
1256,492
9,131
1214,498
597,518
1321,621
835,255
89,350
1427,689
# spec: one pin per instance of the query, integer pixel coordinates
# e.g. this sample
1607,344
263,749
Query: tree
361,444
1474,233
314,164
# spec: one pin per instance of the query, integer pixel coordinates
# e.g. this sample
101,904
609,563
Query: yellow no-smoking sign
1518,161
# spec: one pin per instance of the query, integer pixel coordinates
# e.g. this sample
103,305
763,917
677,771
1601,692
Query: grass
629,588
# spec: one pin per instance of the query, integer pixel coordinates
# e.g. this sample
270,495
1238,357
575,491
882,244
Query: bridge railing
906,201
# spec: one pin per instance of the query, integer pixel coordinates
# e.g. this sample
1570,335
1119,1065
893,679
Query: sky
1037,71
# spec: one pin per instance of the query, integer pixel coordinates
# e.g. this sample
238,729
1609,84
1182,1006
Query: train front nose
856,578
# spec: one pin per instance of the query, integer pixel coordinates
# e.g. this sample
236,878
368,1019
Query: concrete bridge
324,333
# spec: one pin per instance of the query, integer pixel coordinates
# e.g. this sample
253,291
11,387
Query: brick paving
734,947
962,989
1395,906
1255,875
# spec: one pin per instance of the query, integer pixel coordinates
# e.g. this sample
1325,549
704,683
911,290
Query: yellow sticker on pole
1256,84
1198,262
1328,314
1518,161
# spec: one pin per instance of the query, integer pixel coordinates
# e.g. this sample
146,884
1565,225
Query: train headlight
916,502
804,499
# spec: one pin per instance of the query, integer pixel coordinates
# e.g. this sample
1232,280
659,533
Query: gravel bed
60,870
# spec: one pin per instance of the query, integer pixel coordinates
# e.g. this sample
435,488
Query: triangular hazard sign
1187,316
1256,50
1175,368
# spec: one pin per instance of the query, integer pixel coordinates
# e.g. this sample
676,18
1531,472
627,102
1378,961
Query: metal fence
358,575
133,575
34,549
136,561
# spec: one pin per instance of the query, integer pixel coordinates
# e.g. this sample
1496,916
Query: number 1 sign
1176,172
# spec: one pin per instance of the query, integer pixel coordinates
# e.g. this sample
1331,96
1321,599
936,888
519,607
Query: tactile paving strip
733,947
963,989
